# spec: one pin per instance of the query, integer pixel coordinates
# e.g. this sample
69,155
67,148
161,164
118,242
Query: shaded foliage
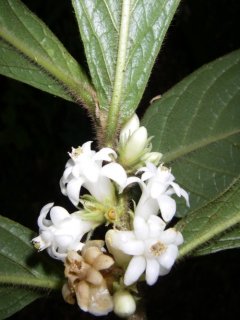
37,130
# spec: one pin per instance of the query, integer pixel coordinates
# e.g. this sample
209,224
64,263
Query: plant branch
114,109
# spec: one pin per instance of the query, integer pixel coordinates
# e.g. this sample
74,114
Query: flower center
111,214
157,249
75,153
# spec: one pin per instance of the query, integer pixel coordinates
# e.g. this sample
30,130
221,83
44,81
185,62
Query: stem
124,221
114,109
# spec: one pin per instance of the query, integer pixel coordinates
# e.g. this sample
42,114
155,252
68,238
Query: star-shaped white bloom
153,249
158,186
85,168
62,233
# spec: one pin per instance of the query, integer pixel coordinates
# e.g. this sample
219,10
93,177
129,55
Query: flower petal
104,154
133,247
179,240
140,228
176,188
135,145
86,148
163,271
156,226
90,170
76,246
66,173
73,190
168,236
131,180
119,237
146,207
157,188
126,242
185,195
134,270
42,241
52,251
167,207
168,258
128,129
63,188
152,271
58,214
63,241
115,172
42,222
146,175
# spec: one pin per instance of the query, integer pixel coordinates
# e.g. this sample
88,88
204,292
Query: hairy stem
114,109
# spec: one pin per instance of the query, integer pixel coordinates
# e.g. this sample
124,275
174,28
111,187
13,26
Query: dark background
37,130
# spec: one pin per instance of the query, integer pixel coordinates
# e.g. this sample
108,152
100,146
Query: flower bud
135,146
124,304
128,129
153,157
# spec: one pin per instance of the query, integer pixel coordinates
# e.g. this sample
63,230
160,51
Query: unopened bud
153,157
124,304
135,146
128,129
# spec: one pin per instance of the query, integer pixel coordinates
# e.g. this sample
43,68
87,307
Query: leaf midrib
69,82
184,150
207,236
43,63
22,281
35,39
204,234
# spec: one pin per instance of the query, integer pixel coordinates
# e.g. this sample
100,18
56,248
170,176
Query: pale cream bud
153,157
135,146
124,304
128,129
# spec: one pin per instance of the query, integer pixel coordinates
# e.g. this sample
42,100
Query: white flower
157,192
154,249
85,168
62,233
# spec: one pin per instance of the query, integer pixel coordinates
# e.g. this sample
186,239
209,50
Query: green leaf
31,53
207,226
229,240
122,40
25,275
196,125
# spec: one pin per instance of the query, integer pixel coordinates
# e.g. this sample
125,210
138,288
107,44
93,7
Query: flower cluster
140,245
